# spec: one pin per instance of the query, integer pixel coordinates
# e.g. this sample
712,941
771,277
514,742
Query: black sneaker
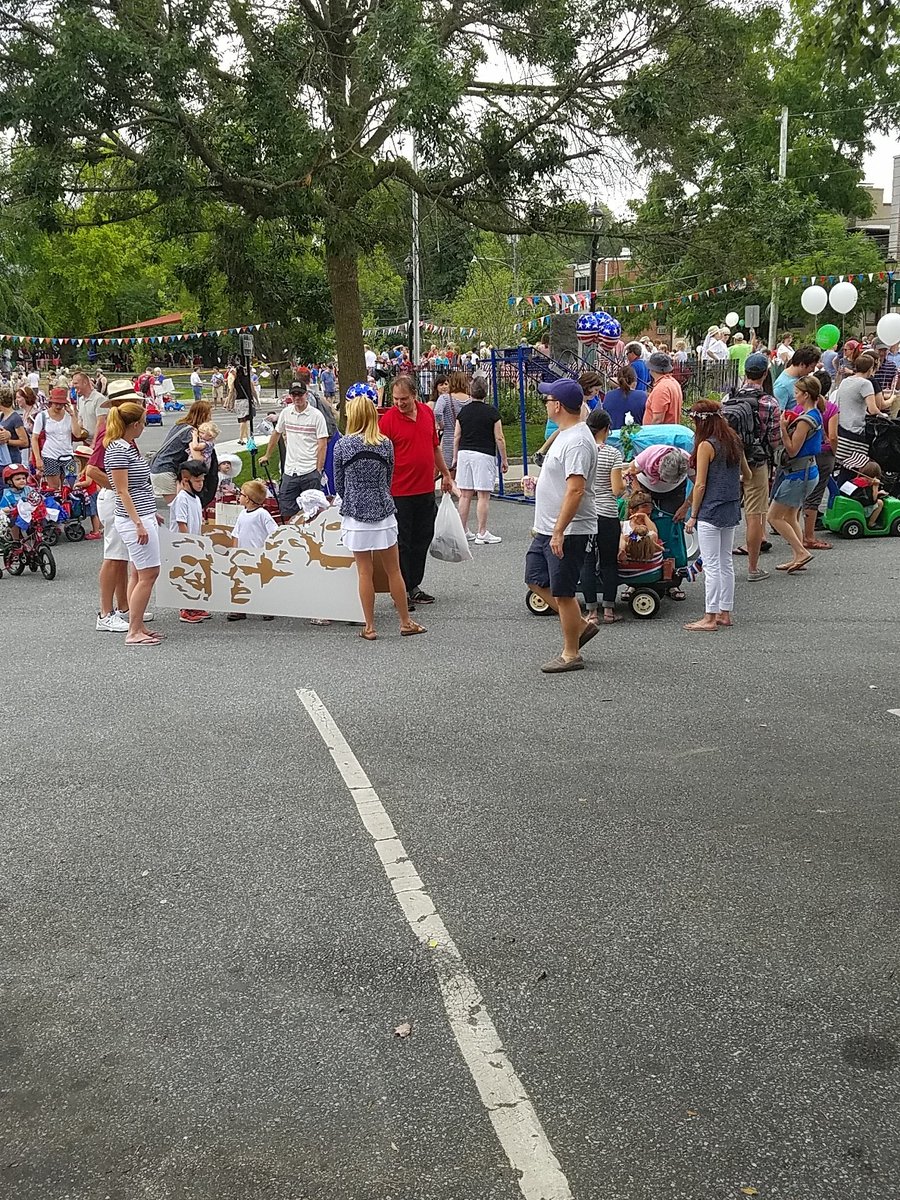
420,597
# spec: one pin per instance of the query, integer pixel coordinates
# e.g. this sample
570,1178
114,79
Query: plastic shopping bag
449,544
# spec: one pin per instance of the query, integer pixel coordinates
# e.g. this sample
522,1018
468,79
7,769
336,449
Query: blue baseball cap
756,366
567,392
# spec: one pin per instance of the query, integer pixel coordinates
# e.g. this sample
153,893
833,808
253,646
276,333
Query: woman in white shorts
363,469
136,524
477,442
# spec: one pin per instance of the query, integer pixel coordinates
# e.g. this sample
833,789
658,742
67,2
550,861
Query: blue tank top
813,444
721,503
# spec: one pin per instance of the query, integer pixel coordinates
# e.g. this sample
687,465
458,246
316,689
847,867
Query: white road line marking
512,1114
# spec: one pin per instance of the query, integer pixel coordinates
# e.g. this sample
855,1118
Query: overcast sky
880,164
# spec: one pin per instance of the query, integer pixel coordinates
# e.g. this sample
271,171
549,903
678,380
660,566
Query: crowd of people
768,448
766,452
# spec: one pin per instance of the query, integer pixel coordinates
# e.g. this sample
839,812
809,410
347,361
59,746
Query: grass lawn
513,434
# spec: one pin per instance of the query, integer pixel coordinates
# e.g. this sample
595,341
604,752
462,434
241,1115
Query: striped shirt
607,458
125,456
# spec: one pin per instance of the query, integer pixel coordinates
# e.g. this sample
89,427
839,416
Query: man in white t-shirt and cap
306,441
565,518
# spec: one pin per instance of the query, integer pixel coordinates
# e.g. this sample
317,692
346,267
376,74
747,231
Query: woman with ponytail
135,519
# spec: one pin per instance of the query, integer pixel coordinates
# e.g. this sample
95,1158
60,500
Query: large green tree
714,208
303,112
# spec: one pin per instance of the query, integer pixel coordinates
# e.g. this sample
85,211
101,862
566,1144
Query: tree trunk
343,281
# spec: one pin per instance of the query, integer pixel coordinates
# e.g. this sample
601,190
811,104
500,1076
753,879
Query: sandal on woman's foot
610,617
368,635
814,544
675,593
412,629
741,551
699,627
143,641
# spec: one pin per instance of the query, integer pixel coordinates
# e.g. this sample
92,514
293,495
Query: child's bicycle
31,550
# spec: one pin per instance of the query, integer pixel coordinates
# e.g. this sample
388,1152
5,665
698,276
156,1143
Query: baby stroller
885,450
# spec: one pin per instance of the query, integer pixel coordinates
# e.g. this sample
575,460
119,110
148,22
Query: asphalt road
673,877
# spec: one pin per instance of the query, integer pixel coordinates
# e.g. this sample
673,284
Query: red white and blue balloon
595,328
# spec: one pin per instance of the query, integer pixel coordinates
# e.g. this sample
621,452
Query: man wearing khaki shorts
756,492
113,614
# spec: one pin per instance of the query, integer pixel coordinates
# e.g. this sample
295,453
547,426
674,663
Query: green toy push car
848,517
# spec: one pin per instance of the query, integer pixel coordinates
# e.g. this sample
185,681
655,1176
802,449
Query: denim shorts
559,575
792,490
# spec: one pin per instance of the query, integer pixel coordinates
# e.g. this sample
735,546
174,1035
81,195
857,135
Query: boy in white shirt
186,516
252,527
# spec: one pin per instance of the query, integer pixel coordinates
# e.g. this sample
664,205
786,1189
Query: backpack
741,411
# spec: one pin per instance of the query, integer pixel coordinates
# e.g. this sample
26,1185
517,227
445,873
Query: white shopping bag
450,543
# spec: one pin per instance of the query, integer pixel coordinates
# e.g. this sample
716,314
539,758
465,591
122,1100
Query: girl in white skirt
363,469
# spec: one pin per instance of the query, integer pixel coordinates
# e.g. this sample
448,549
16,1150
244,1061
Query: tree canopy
304,114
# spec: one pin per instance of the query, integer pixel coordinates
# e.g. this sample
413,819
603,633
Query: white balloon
843,297
813,299
732,319
888,328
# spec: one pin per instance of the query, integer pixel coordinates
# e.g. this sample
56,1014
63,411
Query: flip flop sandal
693,627
741,552
611,618
816,545
150,641
413,630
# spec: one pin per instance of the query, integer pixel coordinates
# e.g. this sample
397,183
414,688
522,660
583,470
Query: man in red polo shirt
418,460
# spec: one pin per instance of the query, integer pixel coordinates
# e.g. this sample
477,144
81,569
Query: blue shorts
559,575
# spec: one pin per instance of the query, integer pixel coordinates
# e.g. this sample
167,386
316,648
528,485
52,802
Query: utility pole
782,172
596,212
415,344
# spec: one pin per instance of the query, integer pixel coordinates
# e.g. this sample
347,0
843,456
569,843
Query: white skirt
358,536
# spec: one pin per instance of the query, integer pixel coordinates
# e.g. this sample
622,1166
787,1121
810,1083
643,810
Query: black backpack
741,411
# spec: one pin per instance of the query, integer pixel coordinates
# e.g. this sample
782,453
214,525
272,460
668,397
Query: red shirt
414,442
98,450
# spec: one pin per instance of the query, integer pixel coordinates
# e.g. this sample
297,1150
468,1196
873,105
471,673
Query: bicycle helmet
13,470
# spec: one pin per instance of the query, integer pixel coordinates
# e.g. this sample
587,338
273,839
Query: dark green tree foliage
714,209
301,113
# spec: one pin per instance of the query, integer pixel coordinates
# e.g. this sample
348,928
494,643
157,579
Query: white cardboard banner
302,571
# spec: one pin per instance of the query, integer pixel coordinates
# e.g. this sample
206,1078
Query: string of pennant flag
460,331
558,301
148,339
581,301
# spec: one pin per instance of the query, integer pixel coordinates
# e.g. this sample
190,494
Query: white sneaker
487,539
111,624
470,536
